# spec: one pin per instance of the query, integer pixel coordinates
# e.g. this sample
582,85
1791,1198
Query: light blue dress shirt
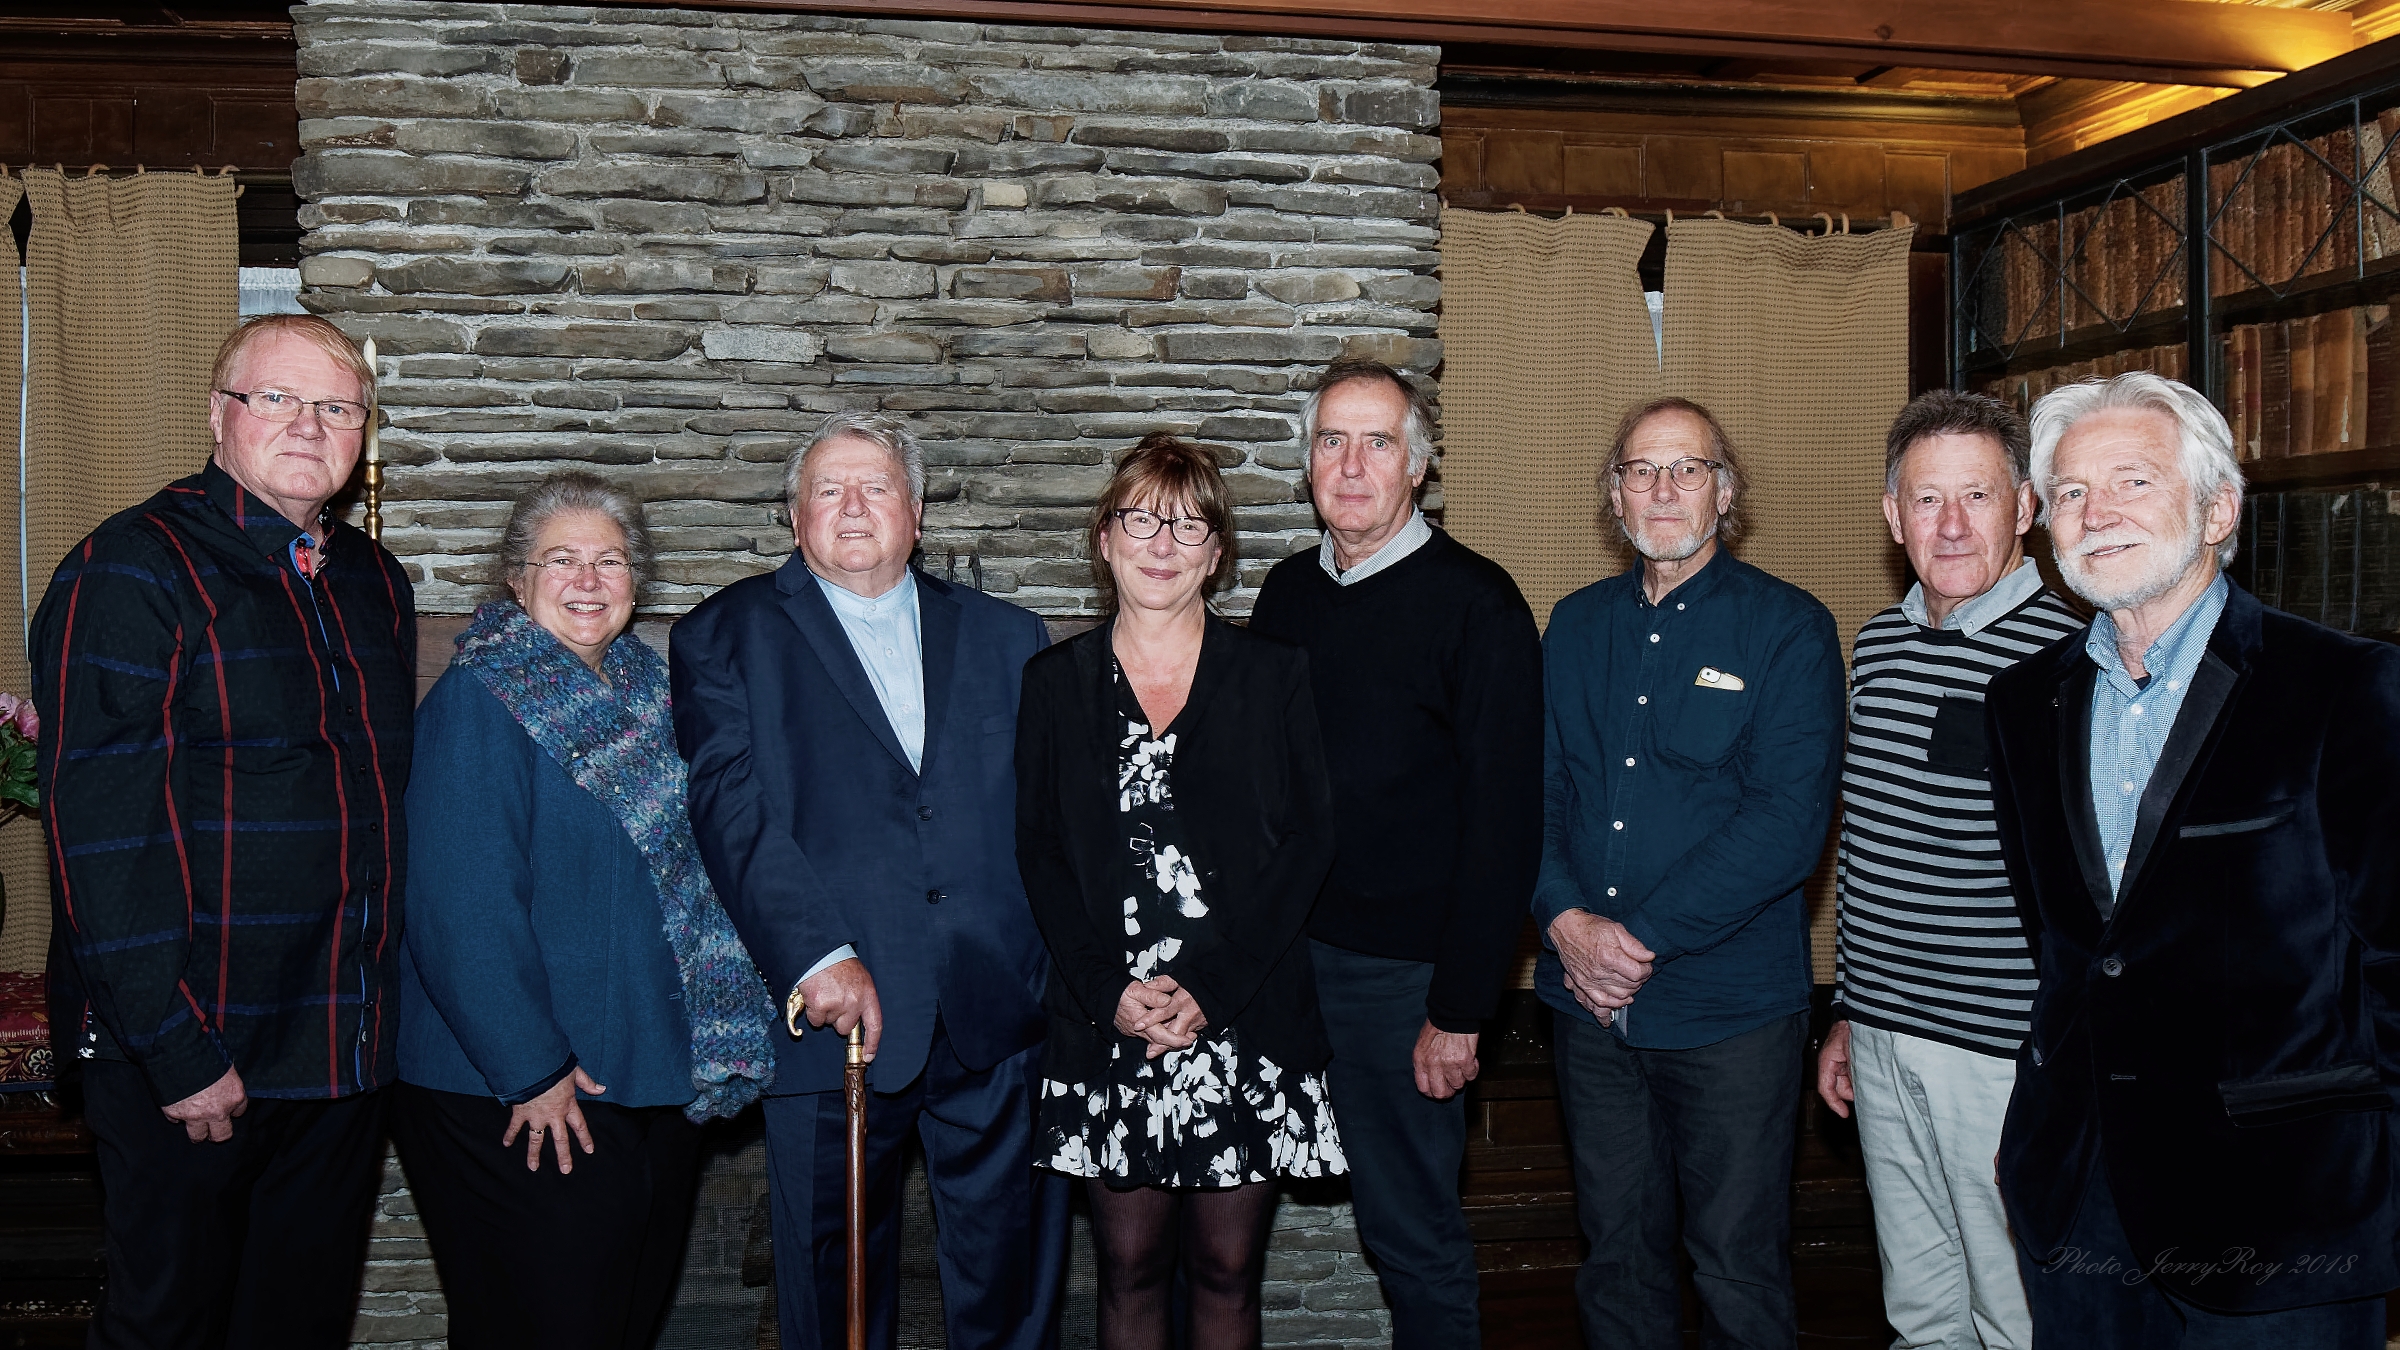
887,634
884,631
2130,721
1972,616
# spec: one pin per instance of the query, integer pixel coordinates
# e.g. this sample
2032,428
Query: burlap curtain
20,840
1545,344
131,284
1799,345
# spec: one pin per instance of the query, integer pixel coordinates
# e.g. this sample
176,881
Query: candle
374,451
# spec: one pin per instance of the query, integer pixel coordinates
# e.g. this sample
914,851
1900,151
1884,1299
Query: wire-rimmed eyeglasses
1690,473
1190,531
274,405
566,567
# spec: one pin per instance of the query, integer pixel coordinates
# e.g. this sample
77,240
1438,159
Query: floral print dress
1208,1117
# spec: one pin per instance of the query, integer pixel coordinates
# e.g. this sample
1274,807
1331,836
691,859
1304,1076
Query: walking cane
854,1100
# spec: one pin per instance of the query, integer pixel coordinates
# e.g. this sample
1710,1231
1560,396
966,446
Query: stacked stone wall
663,244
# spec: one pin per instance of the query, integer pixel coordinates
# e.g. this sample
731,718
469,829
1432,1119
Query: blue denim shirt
1692,751
2130,721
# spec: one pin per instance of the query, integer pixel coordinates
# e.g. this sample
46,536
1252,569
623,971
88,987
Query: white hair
873,427
2205,442
1417,425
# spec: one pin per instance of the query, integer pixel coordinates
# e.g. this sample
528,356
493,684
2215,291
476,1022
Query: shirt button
2134,711
1644,699
887,651
924,813
1654,637
1679,604
1612,890
1629,761
2125,787
2112,967
1620,824
2173,685
934,897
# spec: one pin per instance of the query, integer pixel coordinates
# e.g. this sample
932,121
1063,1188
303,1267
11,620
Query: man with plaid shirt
226,679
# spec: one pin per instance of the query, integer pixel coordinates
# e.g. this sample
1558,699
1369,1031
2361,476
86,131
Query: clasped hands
1161,1012
1604,963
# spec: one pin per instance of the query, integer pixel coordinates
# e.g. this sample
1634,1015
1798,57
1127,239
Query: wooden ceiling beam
2151,41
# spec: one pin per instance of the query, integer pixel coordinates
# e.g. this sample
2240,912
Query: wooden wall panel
1746,164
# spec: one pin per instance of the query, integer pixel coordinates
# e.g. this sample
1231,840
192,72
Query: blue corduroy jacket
534,942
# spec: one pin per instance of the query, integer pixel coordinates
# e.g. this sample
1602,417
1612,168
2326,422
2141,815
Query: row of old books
2284,213
2278,215
2329,554
2108,263
2314,385
2022,390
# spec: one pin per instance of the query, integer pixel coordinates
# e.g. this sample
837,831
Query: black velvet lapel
2075,779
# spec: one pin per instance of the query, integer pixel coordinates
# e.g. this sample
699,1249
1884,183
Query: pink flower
19,713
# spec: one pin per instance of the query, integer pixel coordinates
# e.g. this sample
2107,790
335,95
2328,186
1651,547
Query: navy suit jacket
817,833
2227,1044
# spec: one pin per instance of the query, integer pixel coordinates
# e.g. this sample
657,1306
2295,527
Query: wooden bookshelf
2335,468
2123,256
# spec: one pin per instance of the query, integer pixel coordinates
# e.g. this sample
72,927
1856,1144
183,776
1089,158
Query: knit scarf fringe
617,742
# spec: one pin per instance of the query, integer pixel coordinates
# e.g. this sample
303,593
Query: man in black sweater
1428,676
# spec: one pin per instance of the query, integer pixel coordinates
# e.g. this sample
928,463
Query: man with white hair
850,723
1428,676
2199,804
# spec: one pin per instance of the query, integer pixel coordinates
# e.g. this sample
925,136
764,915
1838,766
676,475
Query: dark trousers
1404,1148
1712,1127
587,1259
1001,1226
2089,1293
257,1241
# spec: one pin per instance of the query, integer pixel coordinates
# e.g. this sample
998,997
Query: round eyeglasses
1690,473
274,405
1190,531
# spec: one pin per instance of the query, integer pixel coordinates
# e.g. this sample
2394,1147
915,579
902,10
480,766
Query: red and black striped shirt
226,720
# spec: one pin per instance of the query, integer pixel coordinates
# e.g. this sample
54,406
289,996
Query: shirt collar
1412,536
263,525
1695,587
2176,653
848,602
1970,616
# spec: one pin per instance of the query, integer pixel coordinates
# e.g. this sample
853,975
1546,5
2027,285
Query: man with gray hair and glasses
1427,672
1694,727
2199,804
851,727
1932,981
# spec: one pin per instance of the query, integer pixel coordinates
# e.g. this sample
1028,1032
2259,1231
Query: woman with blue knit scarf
575,1002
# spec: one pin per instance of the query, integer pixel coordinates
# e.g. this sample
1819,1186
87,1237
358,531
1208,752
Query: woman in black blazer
1174,824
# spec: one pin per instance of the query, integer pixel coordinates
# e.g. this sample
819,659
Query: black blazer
2227,1044
1250,786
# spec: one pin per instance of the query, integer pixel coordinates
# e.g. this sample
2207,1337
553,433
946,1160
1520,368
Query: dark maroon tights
1223,1240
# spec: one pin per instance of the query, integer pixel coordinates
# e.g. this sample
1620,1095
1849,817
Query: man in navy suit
851,727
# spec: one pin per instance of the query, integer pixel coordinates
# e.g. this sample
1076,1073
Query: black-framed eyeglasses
1190,531
274,405
1690,473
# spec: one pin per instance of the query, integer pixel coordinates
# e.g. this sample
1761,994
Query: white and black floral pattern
1207,1117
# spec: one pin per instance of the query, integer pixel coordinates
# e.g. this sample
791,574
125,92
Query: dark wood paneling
1748,158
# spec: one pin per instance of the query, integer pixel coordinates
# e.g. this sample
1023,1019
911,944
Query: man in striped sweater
1933,980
